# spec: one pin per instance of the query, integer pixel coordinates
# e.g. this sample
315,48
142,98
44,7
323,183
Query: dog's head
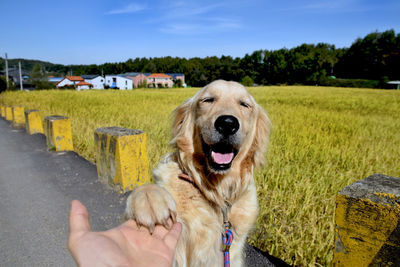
221,127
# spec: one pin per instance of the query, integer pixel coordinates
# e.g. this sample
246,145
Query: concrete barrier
367,218
3,110
9,115
58,133
18,116
33,122
121,157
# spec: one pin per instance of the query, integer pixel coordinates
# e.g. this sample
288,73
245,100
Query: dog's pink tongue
222,158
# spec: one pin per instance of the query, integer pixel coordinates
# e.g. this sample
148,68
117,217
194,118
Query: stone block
367,230
18,116
3,110
33,122
121,157
9,115
58,133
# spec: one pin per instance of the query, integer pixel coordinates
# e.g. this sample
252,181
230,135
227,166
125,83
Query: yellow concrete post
9,115
3,110
18,116
367,231
121,157
58,133
33,122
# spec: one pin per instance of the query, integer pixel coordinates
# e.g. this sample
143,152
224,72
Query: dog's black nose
226,125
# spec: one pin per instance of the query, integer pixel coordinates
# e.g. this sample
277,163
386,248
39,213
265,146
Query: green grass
323,139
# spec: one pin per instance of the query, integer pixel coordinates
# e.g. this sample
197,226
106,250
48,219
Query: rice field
323,139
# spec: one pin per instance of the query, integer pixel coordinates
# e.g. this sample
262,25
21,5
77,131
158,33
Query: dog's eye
208,100
244,104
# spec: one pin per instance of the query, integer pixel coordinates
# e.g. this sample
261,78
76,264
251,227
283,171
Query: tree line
374,57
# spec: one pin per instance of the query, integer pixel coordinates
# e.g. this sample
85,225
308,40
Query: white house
70,80
96,80
395,84
84,86
119,82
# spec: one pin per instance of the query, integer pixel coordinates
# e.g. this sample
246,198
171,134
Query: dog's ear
182,127
261,137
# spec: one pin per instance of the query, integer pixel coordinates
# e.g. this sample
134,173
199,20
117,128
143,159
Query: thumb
78,219
172,238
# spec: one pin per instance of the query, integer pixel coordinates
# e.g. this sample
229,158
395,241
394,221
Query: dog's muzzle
222,151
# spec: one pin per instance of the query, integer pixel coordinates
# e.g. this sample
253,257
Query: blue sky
94,32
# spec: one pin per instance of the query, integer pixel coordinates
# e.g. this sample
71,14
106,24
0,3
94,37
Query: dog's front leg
151,205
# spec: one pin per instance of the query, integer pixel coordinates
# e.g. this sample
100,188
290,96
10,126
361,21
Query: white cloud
341,6
194,17
200,10
131,8
224,23
201,27
185,17
177,28
329,6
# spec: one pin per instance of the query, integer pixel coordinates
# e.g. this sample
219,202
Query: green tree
178,83
247,81
3,84
39,79
143,84
372,57
150,67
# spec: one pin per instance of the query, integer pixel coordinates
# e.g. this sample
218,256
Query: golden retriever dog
219,136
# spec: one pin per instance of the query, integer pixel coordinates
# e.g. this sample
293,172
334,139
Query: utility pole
20,76
6,71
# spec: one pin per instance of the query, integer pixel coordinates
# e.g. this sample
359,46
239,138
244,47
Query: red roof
75,78
159,75
84,83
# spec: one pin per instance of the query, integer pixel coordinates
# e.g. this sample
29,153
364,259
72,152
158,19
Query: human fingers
160,231
131,224
172,238
78,218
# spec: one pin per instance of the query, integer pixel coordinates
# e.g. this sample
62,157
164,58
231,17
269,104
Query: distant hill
27,65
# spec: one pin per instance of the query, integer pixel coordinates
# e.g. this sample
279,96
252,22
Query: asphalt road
36,187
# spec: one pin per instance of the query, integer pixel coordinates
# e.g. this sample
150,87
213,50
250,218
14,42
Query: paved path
36,187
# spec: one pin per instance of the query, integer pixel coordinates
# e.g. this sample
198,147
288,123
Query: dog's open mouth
219,155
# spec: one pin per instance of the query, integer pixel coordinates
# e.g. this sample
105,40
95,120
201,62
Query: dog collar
187,178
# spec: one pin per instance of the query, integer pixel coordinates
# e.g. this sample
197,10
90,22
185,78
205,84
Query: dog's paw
151,205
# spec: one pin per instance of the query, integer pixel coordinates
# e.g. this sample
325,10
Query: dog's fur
197,204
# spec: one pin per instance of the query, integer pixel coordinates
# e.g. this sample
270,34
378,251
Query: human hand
125,245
